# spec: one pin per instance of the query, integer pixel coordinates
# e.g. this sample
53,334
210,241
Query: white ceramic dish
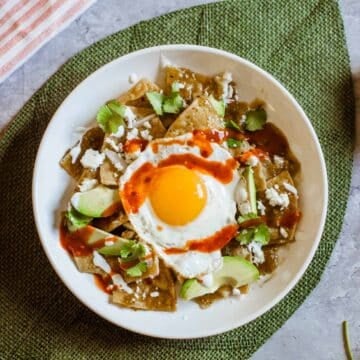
52,187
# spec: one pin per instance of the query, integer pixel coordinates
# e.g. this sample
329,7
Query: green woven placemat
302,44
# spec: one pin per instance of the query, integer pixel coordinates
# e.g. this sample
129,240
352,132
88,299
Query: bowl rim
324,205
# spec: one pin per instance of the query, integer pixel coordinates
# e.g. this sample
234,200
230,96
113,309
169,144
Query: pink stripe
19,35
46,33
13,10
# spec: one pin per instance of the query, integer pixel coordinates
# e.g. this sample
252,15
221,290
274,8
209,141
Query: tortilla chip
93,138
136,95
274,214
86,264
194,84
112,222
156,294
199,115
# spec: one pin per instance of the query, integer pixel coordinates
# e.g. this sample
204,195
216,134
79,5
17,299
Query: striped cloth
26,25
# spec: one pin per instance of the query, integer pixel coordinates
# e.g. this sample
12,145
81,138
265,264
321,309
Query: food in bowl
182,190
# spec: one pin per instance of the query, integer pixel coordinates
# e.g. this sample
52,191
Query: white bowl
52,187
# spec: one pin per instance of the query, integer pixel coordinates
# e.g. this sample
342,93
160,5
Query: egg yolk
177,195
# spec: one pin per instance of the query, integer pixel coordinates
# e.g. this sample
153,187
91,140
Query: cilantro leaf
126,249
173,103
137,270
262,234
110,116
231,124
75,220
233,143
249,216
156,100
219,105
245,236
255,119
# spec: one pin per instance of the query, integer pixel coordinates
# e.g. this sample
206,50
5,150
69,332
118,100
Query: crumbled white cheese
236,292
207,280
132,134
283,233
290,188
145,134
87,184
100,262
109,242
244,208
277,199
75,152
130,117
147,125
276,186
92,159
253,160
154,294
118,162
261,207
258,255
119,282
113,144
243,119
279,161
133,78
224,82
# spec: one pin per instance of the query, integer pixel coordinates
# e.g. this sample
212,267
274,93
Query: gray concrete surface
314,331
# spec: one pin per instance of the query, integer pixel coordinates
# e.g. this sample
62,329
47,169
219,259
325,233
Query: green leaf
137,270
219,105
126,249
245,236
243,218
233,143
75,220
110,116
262,234
231,124
255,119
173,103
156,100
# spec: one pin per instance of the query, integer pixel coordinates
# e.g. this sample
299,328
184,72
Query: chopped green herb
233,143
255,119
245,236
137,270
75,220
219,105
262,234
173,103
259,234
156,100
243,218
128,250
231,124
110,116
347,341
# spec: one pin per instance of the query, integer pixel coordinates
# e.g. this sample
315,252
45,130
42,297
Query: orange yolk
177,195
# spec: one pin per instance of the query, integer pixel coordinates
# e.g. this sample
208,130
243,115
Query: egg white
218,213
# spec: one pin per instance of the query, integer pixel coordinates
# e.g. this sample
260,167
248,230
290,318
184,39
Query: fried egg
179,197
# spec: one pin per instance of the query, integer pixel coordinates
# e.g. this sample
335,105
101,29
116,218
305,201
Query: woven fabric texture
302,44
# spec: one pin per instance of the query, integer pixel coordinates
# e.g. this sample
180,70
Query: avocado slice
249,175
100,201
235,271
